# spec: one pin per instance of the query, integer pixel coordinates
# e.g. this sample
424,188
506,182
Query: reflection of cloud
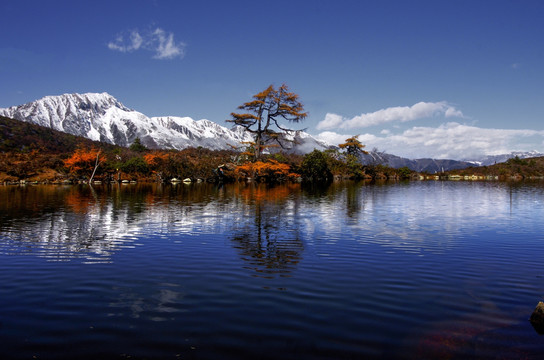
424,217
161,306
271,230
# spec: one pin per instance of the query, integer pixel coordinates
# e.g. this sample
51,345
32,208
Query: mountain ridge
101,117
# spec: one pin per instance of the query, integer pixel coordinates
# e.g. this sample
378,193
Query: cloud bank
158,41
417,111
448,141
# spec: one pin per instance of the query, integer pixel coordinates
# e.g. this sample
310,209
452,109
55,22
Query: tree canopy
353,146
263,115
137,146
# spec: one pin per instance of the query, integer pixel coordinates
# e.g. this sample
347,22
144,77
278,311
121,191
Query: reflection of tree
92,224
329,192
268,237
316,190
353,200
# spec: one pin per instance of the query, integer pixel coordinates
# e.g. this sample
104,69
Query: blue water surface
347,271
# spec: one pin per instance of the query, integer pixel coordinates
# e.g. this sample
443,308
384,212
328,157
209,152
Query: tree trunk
95,167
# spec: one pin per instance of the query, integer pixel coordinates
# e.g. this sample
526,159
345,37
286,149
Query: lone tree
263,114
353,149
353,146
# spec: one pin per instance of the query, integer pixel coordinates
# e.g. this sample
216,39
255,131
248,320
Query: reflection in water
162,305
268,236
415,270
268,225
60,223
417,217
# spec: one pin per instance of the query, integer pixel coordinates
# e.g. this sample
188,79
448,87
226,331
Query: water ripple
424,270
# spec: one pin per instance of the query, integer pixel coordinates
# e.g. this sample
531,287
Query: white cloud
166,47
447,141
134,42
420,110
330,122
158,41
333,138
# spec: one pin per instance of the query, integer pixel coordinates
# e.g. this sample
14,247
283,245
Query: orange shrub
83,161
269,171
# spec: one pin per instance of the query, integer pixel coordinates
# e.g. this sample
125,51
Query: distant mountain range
438,165
101,117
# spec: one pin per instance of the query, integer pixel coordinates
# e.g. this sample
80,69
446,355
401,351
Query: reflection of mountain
62,223
270,228
77,223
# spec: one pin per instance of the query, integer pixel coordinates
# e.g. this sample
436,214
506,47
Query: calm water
412,270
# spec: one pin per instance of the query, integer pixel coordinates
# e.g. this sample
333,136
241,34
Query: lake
415,270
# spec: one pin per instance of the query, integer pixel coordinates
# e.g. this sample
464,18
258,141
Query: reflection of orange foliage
84,160
271,170
150,198
79,204
263,193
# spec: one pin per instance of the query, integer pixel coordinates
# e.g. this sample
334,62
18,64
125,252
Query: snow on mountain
300,142
420,165
496,159
95,116
438,165
101,117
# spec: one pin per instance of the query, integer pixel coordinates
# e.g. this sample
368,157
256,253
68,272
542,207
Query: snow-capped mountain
420,165
102,117
496,159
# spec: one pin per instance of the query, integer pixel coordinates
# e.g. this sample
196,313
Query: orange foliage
265,112
156,158
353,146
271,170
84,160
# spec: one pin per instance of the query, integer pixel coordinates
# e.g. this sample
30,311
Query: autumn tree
156,162
85,162
263,115
353,146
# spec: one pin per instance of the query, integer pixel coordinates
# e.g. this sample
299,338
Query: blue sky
449,79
